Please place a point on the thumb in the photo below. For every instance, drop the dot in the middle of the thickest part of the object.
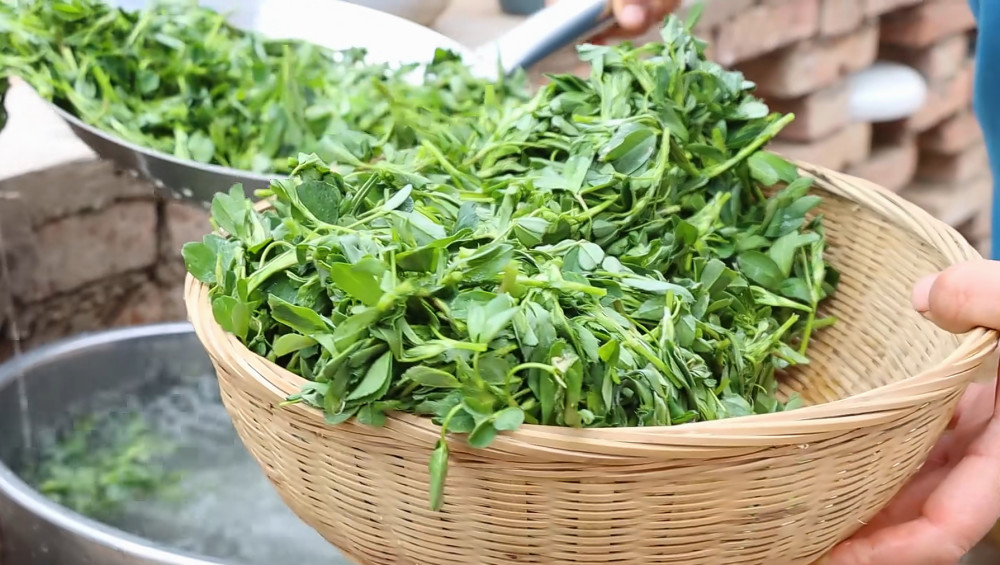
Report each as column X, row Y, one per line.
column 632, row 15
column 962, row 297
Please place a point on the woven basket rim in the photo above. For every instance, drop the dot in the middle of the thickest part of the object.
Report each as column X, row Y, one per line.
column 798, row 426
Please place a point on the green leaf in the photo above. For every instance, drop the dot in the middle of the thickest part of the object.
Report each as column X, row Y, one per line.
column 784, row 170
column 796, row 289
column 428, row 376
column 290, row 343
column 322, row 199
column 783, row 250
column 763, row 169
column 736, row 406
column 750, row 110
column 355, row 282
column 483, row 435
column 376, row 380
column 232, row 314
column 630, row 148
column 759, row 268
column 508, row 419
column 201, row 147
column 487, row 321
column 439, row 472
column 371, row 415
column 591, row 256
column 658, row 287
column 199, row 260
column 298, row 318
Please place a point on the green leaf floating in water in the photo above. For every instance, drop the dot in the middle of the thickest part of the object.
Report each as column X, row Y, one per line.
column 103, row 463
column 606, row 254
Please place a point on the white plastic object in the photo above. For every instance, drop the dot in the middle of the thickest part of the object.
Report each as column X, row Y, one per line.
column 886, row 92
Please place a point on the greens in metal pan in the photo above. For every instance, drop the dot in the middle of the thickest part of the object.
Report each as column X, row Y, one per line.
column 178, row 79
column 617, row 251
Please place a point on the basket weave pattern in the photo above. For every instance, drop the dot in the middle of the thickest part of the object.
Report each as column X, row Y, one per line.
column 779, row 489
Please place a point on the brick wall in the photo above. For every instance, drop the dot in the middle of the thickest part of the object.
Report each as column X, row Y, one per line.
column 801, row 52
column 89, row 248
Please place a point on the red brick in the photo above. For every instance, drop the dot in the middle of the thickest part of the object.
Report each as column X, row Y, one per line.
column 185, row 222
column 817, row 115
column 944, row 100
column 956, row 168
column 937, row 63
column 838, row 151
column 952, row 203
column 889, row 166
column 927, row 23
column 766, row 27
column 955, row 134
column 811, row 65
column 85, row 248
column 879, row 7
column 837, row 17
column 718, row 12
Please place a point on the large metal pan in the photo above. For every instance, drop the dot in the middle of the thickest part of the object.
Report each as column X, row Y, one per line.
column 341, row 25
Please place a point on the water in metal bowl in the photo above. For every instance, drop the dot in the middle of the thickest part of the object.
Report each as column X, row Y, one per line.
column 207, row 501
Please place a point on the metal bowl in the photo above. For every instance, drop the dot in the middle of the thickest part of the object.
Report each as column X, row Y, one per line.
column 37, row 531
column 423, row 12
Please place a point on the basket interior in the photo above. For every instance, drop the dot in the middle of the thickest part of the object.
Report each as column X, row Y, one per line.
column 878, row 338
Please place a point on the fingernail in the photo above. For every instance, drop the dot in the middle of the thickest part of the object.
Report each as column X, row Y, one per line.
column 633, row 16
column 922, row 294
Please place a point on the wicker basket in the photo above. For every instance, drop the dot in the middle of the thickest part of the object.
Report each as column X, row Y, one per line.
column 776, row 489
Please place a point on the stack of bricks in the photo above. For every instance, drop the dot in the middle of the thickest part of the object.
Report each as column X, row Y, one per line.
column 800, row 54
column 952, row 178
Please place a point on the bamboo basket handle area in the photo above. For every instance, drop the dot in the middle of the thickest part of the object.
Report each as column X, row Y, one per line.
column 944, row 379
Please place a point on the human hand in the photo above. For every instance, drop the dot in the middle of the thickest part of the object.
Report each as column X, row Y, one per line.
column 633, row 17
column 954, row 500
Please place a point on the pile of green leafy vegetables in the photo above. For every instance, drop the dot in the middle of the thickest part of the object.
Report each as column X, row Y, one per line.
column 620, row 250
column 177, row 78
column 101, row 463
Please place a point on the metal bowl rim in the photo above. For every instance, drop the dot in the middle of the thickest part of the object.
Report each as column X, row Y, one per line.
column 64, row 518
column 220, row 170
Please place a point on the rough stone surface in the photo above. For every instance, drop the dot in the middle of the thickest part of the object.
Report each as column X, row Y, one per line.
column 879, row 7
column 74, row 188
column 944, row 100
column 185, row 222
column 817, row 115
column 838, row 151
column 937, row 63
column 889, row 166
column 953, row 135
column 955, row 168
column 808, row 66
column 764, row 28
column 83, row 257
column 85, row 248
column 840, row 16
column 150, row 303
column 927, row 23
column 952, row 203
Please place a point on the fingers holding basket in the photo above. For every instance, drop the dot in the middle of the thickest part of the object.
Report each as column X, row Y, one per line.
column 958, row 514
column 962, row 297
